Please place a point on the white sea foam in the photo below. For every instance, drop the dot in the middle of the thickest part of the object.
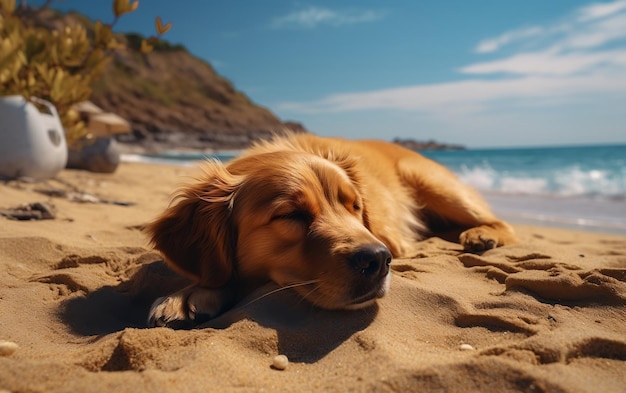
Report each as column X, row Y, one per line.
column 482, row 177
column 572, row 181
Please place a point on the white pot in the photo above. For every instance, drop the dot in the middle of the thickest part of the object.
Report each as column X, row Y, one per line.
column 32, row 143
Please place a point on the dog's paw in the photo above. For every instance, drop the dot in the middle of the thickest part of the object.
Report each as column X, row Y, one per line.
column 186, row 308
column 170, row 311
column 479, row 239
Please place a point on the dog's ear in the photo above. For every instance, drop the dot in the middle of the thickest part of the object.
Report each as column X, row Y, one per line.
column 196, row 234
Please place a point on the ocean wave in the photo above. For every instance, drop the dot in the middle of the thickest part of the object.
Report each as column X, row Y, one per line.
column 571, row 181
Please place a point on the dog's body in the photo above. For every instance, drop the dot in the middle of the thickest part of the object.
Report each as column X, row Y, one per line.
column 324, row 216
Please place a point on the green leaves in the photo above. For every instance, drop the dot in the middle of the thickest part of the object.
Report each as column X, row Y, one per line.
column 60, row 64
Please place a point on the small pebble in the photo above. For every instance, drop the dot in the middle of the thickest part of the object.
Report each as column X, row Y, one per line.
column 466, row 347
column 280, row 362
column 7, row 348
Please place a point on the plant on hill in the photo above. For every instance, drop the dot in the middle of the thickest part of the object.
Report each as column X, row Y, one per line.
column 61, row 64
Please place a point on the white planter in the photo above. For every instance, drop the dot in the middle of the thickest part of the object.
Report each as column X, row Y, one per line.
column 32, row 144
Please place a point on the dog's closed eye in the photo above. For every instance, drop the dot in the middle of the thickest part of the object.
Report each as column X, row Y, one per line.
column 296, row 216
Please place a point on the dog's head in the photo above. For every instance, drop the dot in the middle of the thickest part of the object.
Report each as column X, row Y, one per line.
column 291, row 217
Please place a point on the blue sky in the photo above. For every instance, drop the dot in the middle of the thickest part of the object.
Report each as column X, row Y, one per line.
column 480, row 73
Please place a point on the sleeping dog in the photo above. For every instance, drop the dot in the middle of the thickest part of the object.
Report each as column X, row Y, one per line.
column 322, row 216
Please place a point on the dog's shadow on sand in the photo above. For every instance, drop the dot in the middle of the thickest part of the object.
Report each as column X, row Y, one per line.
column 110, row 309
column 304, row 333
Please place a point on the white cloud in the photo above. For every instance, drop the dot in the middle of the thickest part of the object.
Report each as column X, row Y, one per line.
column 462, row 97
column 595, row 33
column 601, row 10
column 550, row 62
column 314, row 16
column 580, row 56
column 590, row 26
column 493, row 44
column 574, row 45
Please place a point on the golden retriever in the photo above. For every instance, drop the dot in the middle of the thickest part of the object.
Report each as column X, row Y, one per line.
column 322, row 216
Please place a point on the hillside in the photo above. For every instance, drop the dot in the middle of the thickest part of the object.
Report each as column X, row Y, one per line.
column 171, row 98
column 174, row 99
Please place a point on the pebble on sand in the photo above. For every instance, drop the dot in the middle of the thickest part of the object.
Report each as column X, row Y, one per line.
column 466, row 347
column 280, row 362
column 7, row 348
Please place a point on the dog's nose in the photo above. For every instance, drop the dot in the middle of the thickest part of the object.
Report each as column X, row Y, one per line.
column 371, row 260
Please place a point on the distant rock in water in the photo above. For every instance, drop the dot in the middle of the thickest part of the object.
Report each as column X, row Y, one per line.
column 428, row 145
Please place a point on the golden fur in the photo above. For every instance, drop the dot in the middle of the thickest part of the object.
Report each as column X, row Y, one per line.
column 324, row 216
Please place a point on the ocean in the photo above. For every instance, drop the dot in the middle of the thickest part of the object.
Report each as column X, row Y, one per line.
column 581, row 187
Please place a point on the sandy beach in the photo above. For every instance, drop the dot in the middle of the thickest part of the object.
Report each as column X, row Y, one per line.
column 545, row 315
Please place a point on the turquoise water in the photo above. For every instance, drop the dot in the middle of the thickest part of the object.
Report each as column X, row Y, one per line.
column 583, row 171
column 578, row 187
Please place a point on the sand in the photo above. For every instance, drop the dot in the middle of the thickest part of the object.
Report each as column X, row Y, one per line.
column 546, row 315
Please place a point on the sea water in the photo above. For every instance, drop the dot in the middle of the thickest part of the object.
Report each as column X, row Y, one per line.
column 580, row 187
